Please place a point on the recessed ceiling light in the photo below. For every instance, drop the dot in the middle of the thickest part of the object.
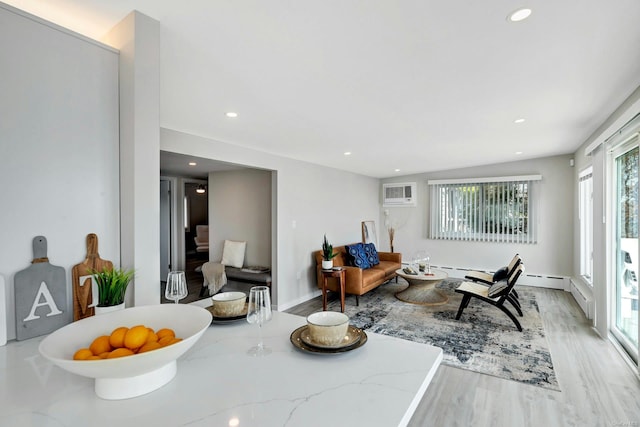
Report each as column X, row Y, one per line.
column 396, row 170
column 347, row 153
column 519, row 15
column 192, row 163
column 519, row 121
column 231, row 114
column 518, row 153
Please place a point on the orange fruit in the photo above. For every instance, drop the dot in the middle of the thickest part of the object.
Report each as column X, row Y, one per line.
column 136, row 337
column 116, row 339
column 100, row 345
column 125, row 341
column 165, row 332
column 82, row 354
column 152, row 336
column 120, row 352
column 164, row 341
column 153, row 345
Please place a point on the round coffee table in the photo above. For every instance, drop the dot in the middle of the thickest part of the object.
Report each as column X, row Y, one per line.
column 421, row 289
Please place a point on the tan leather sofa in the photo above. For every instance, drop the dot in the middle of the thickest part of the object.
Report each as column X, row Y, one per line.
column 359, row 281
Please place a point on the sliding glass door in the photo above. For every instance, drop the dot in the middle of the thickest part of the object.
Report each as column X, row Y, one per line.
column 625, row 291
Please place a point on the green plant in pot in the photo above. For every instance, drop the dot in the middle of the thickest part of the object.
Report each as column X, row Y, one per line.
column 327, row 254
column 112, row 285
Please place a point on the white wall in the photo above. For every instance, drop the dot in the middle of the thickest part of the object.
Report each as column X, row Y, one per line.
column 552, row 255
column 58, row 146
column 138, row 38
column 310, row 200
column 240, row 209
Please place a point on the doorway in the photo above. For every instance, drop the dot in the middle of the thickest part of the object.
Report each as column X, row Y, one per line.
column 241, row 206
column 183, row 211
column 196, row 235
column 625, row 245
column 165, row 228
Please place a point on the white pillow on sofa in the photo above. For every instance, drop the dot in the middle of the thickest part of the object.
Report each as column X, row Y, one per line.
column 233, row 253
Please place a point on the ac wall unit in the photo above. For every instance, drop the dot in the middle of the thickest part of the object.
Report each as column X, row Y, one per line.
column 399, row 194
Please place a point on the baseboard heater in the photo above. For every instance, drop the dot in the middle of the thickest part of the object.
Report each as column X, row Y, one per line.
column 580, row 293
column 583, row 297
column 536, row 280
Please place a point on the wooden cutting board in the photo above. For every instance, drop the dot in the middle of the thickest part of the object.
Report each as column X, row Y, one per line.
column 81, row 279
column 3, row 312
column 40, row 292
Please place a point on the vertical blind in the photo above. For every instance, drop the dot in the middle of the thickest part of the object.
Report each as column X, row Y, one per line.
column 484, row 209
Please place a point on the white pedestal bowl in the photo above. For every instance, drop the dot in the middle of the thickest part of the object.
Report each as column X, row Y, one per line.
column 129, row 376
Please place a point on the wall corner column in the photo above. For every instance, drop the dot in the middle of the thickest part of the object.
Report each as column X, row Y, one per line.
column 137, row 37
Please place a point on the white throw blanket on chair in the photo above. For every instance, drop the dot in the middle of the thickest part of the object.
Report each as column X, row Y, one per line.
column 214, row 276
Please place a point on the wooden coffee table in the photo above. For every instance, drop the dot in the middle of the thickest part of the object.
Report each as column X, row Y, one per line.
column 421, row 289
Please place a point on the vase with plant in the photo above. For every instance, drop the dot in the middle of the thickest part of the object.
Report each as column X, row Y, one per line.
column 112, row 285
column 392, row 233
column 392, row 225
column 327, row 254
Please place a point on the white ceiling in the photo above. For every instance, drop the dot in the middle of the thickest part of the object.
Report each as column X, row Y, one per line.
column 414, row 85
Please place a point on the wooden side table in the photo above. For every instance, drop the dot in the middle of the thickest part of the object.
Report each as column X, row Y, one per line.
column 340, row 275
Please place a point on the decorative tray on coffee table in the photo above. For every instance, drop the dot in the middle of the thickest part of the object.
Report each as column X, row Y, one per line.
column 354, row 339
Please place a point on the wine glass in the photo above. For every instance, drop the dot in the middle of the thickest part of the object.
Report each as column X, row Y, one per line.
column 176, row 286
column 259, row 312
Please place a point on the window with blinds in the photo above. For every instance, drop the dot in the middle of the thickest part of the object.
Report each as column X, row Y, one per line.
column 484, row 209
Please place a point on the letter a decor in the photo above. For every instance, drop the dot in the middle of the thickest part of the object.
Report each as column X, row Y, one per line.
column 40, row 295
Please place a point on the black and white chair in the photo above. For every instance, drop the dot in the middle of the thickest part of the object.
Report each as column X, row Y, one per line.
column 496, row 294
column 500, row 274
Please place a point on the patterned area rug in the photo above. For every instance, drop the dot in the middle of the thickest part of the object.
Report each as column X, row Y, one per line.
column 484, row 340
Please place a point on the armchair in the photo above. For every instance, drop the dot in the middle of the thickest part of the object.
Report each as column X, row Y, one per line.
column 488, row 278
column 502, row 273
column 495, row 295
column 202, row 238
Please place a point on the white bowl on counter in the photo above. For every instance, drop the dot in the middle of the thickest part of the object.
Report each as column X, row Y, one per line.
column 138, row 374
column 328, row 328
column 229, row 304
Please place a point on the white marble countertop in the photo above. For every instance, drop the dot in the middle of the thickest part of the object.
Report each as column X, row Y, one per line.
column 218, row 384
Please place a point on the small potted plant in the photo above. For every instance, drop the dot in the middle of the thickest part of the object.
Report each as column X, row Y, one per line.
column 112, row 285
column 327, row 254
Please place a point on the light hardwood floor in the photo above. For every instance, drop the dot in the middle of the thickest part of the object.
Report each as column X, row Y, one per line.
column 597, row 387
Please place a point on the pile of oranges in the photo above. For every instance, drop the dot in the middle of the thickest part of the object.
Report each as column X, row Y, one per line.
column 125, row 341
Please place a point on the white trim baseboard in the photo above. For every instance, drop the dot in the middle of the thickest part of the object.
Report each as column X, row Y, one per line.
column 305, row 298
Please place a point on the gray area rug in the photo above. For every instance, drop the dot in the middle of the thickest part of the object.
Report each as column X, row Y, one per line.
column 484, row 340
